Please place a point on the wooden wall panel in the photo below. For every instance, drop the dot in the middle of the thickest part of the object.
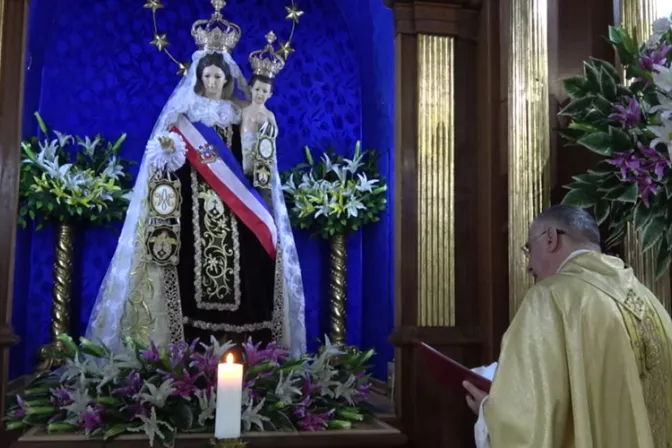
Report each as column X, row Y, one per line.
column 573, row 38
column 431, row 416
column 13, row 19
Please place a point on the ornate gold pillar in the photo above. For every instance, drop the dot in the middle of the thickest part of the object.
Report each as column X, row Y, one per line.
column 638, row 16
column 436, row 153
column 528, row 133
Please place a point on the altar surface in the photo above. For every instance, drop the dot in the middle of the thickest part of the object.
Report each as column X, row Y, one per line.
column 374, row 434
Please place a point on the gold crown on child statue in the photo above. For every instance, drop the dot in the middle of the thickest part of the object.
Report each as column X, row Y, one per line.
column 217, row 33
column 266, row 62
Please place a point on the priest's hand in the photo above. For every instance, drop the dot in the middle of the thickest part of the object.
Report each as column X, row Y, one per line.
column 475, row 396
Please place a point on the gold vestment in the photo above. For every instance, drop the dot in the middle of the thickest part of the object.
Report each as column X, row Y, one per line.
column 586, row 363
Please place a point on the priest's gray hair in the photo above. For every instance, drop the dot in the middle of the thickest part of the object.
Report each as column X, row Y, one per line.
column 577, row 222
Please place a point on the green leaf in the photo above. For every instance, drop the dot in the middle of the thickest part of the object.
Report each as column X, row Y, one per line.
column 576, row 86
column 580, row 198
column 620, row 140
column 630, row 194
column 590, row 188
column 118, row 143
column 603, row 105
column 610, row 183
column 607, row 85
column 602, row 167
column 587, row 178
column 40, row 123
column 602, row 211
column 182, row 416
column 668, row 234
column 607, row 67
column 630, row 43
column 581, row 126
column 653, row 233
column 115, row 431
column 641, row 216
column 577, row 106
column 623, row 91
column 61, row 427
column 663, row 260
column 592, row 76
column 571, row 135
column 11, row 426
column 598, row 142
column 615, row 35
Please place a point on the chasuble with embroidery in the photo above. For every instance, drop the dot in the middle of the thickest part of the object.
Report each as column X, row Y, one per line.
column 586, row 363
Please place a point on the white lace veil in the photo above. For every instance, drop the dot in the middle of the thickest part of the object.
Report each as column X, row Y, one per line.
column 117, row 286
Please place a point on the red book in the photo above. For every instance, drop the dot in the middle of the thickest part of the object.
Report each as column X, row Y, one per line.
column 448, row 372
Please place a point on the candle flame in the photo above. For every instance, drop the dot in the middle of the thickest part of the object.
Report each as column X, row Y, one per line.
column 229, row 358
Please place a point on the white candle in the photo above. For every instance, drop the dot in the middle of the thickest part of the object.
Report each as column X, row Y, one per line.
column 229, row 399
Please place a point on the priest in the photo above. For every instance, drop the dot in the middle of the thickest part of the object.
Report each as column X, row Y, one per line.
column 587, row 360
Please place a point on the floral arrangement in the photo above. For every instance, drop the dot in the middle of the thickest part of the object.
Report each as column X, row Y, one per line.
column 336, row 195
column 163, row 392
column 59, row 183
column 630, row 124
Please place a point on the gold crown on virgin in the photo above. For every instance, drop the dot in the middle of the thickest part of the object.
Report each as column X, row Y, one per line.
column 217, row 33
column 266, row 62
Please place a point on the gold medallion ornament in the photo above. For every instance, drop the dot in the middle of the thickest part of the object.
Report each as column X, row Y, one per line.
column 264, row 153
column 164, row 199
column 162, row 228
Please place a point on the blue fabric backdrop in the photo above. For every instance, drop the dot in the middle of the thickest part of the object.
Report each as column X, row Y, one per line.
column 90, row 69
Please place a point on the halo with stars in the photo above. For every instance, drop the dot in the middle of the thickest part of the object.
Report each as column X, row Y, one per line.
column 160, row 40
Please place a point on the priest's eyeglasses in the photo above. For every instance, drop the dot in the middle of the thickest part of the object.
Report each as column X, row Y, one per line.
column 526, row 247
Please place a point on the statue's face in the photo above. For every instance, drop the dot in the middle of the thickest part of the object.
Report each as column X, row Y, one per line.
column 213, row 79
column 261, row 92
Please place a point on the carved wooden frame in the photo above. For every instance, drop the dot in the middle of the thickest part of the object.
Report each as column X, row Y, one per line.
column 13, row 24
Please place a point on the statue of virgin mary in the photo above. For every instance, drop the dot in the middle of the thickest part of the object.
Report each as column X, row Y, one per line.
column 202, row 251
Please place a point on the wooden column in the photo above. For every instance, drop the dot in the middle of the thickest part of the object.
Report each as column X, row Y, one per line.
column 438, row 163
column 525, row 43
column 492, row 179
column 13, row 19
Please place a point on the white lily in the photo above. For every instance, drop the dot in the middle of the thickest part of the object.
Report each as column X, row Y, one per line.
column 364, row 183
column 64, row 139
column 353, row 206
column 662, row 77
column 663, row 135
column 157, row 396
column 664, row 108
column 151, row 426
column 252, row 417
column 89, row 145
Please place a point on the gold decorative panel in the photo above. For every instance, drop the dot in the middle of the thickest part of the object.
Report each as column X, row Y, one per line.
column 436, row 160
column 638, row 16
column 528, row 133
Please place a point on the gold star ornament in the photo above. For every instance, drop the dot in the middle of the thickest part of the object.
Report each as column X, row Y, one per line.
column 160, row 41
column 153, row 5
column 293, row 13
column 285, row 50
column 183, row 68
